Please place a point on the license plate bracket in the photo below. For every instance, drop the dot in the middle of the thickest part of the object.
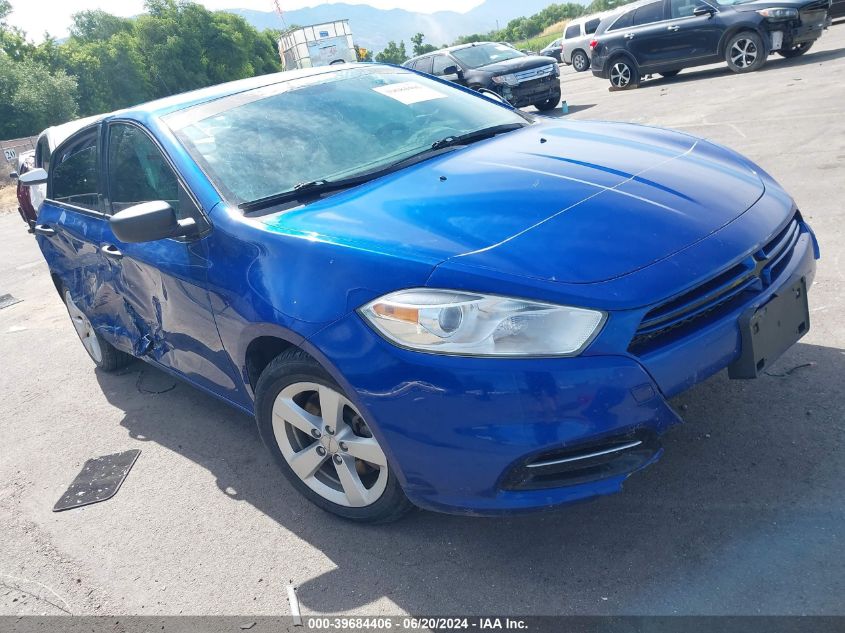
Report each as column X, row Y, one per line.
column 769, row 330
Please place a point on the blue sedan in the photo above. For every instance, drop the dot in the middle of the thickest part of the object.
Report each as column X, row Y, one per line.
column 425, row 297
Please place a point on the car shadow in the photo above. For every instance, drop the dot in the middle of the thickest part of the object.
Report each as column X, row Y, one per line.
column 741, row 515
column 571, row 109
column 774, row 62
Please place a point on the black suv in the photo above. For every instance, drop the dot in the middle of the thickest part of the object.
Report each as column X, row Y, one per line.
column 665, row 36
column 521, row 79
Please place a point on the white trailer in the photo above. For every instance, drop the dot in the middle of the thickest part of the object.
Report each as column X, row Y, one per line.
column 317, row 45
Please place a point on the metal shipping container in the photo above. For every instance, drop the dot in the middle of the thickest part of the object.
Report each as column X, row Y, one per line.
column 317, row 45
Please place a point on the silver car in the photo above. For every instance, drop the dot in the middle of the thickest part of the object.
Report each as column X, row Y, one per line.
column 575, row 50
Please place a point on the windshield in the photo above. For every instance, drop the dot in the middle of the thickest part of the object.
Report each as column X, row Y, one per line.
column 326, row 127
column 484, row 54
column 730, row 3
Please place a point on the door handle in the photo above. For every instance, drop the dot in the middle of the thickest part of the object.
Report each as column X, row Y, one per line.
column 43, row 229
column 674, row 27
column 110, row 250
column 629, row 36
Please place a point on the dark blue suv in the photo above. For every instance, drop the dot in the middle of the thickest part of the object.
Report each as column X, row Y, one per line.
column 424, row 296
column 666, row 36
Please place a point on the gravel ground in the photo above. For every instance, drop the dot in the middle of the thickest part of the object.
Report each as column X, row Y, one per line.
column 743, row 515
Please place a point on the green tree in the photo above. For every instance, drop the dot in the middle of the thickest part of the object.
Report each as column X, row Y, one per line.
column 32, row 98
column 419, row 47
column 393, row 54
column 363, row 54
column 91, row 26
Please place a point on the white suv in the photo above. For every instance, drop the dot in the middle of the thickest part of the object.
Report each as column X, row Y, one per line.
column 575, row 50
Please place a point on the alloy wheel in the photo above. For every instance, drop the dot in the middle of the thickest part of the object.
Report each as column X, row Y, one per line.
column 744, row 53
column 84, row 329
column 620, row 74
column 329, row 446
column 579, row 61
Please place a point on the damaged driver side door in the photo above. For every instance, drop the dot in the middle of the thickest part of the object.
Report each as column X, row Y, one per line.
column 159, row 303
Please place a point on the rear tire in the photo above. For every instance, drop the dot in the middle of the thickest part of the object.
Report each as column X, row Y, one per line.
column 623, row 73
column 295, row 392
column 104, row 354
column 745, row 52
column 796, row 51
column 580, row 61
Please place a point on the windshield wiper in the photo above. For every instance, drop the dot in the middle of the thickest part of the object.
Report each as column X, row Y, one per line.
column 304, row 191
column 477, row 135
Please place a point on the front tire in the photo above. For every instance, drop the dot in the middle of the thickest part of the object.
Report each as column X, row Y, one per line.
column 623, row 73
column 580, row 61
column 745, row 52
column 796, row 51
column 550, row 104
column 104, row 354
column 322, row 444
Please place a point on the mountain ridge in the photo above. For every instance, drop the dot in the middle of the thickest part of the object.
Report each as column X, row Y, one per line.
column 372, row 28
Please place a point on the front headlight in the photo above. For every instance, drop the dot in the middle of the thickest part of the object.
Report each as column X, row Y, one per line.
column 471, row 324
column 509, row 80
column 779, row 13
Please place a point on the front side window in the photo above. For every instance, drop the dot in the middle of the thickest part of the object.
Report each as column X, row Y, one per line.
column 441, row 63
column 138, row 172
column 682, row 8
column 42, row 154
column 485, row 54
column 332, row 126
column 74, row 173
column 648, row 14
column 573, row 30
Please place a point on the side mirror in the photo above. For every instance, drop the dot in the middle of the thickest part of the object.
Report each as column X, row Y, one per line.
column 148, row 222
column 703, row 10
column 492, row 94
column 33, row 177
column 453, row 70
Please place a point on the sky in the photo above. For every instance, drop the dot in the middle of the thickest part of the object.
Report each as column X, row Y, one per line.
column 37, row 16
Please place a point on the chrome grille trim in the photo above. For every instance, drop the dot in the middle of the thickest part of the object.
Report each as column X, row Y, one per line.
column 535, row 73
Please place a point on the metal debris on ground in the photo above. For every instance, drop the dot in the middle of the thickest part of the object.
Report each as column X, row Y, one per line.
column 8, row 300
column 100, row 479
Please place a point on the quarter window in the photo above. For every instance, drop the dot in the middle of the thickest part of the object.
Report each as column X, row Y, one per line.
column 424, row 65
column 138, row 172
column 590, row 26
column 648, row 14
column 574, row 30
column 74, row 177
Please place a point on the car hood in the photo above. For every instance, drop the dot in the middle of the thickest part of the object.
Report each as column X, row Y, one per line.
column 573, row 202
column 517, row 64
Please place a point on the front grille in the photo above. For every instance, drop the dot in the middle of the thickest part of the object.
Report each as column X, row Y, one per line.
column 718, row 295
column 535, row 73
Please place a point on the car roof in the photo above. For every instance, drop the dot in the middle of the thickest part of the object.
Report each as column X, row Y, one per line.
column 450, row 49
column 58, row 133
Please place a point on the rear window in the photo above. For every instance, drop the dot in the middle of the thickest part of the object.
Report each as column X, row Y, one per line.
column 648, row 14
column 590, row 26
column 572, row 31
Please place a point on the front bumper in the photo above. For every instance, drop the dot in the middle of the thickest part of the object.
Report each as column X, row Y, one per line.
column 532, row 92
column 460, row 432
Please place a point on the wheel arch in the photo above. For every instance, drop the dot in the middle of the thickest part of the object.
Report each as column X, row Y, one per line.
column 739, row 28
